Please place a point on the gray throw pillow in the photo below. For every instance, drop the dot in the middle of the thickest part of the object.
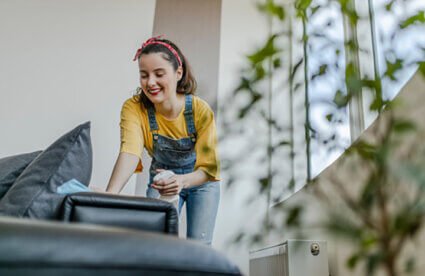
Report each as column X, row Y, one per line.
column 11, row 167
column 34, row 192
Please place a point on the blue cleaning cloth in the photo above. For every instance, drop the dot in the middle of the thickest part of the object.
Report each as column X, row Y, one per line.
column 72, row 186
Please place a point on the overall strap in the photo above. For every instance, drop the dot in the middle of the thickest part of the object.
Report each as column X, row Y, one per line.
column 153, row 125
column 152, row 119
column 188, row 115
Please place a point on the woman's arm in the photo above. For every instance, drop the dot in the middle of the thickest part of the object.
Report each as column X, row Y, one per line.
column 174, row 184
column 124, row 167
column 193, row 179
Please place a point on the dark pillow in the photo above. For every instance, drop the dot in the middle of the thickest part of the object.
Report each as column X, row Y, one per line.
column 11, row 167
column 34, row 192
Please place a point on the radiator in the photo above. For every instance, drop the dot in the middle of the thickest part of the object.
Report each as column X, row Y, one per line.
column 291, row 258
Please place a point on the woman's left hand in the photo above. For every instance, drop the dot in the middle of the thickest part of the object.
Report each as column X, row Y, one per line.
column 170, row 186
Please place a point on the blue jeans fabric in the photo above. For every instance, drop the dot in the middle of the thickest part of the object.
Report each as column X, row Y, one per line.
column 179, row 156
column 201, row 209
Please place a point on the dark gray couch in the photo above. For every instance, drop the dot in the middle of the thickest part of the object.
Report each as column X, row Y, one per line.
column 103, row 234
column 44, row 232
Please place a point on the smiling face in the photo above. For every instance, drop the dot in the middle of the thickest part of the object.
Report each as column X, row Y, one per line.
column 158, row 78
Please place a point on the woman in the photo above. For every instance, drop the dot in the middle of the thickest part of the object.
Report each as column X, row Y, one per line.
column 178, row 131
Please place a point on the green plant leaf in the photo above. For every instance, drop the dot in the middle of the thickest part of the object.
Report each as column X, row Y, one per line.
column 245, row 84
column 291, row 184
column 296, row 67
column 393, row 68
column 315, row 9
column 264, row 184
column 402, row 126
column 370, row 83
column 267, row 51
column 238, row 237
column 348, row 9
column 364, row 149
column 389, row 6
column 260, row 72
column 343, row 226
column 294, row 215
column 329, row 117
column 255, row 97
column 271, row 8
column 373, row 261
column 368, row 193
column 297, row 86
column 421, row 68
column 277, row 63
column 256, row 238
column 352, row 79
column 283, row 143
column 408, row 220
column 301, row 7
column 302, row 4
column 410, row 265
column 340, row 99
column 417, row 18
column 353, row 260
column 322, row 70
column 377, row 104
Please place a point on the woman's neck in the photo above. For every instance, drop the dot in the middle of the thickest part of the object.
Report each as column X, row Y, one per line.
column 171, row 108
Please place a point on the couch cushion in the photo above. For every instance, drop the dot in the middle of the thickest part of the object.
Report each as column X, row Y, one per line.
column 34, row 193
column 11, row 168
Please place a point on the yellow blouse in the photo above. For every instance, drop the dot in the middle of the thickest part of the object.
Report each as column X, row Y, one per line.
column 135, row 133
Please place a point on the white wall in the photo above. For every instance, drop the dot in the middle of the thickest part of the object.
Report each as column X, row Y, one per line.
column 66, row 62
column 243, row 28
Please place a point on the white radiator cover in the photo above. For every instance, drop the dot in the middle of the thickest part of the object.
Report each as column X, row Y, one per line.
column 291, row 258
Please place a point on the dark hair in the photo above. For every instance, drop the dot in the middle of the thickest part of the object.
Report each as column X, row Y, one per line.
column 186, row 85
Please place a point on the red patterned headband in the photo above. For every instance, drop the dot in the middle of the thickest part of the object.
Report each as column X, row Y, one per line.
column 155, row 40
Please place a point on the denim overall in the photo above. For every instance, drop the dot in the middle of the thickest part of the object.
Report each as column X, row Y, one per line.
column 179, row 156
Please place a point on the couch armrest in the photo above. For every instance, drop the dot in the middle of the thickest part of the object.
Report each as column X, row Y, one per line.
column 32, row 247
column 117, row 210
